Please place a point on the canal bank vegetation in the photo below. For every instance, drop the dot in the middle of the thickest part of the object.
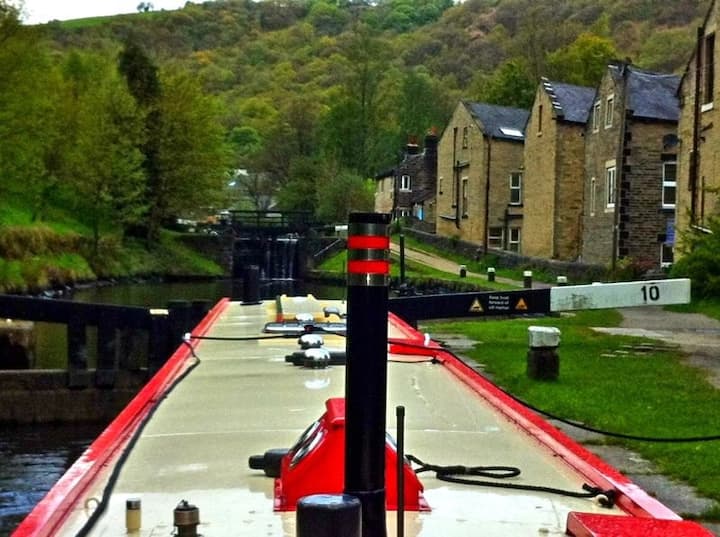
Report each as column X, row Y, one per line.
column 613, row 383
column 60, row 253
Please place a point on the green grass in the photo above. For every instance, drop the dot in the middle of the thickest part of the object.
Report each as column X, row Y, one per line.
column 414, row 270
column 479, row 266
column 706, row 306
column 606, row 385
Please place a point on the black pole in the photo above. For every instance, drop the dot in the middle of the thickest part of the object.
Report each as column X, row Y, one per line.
column 402, row 259
column 366, row 370
column 400, row 414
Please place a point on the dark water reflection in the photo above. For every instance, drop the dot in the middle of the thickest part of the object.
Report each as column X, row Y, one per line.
column 33, row 458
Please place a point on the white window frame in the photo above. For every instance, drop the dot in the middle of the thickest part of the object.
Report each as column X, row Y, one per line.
column 516, row 188
column 405, row 183
column 610, row 185
column 593, row 195
column 465, row 140
column 514, row 236
column 495, row 241
column 405, row 213
column 609, row 111
column 596, row 117
column 669, row 184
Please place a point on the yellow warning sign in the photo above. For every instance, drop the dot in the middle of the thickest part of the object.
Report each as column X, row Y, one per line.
column 476, row 307
column 521, row 305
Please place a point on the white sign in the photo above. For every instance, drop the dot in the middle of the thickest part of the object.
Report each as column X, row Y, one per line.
column 620, row 295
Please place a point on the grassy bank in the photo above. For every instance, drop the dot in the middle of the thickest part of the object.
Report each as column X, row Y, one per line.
column 608, row 383
column 37, row 257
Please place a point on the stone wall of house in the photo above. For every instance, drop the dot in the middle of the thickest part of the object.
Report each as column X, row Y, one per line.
column 471, row 155
column 567, row 239
column 643, row 221
column 384, row 195
column 708, row 176
column 539, row 178
column 602, row 147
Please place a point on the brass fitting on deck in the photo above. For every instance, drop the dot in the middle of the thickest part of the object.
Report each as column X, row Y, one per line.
column 186, row 518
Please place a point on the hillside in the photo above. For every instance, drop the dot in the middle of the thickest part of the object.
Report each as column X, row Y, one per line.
column 112, row 127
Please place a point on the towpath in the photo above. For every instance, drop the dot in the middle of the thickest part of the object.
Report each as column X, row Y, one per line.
column 698, row 336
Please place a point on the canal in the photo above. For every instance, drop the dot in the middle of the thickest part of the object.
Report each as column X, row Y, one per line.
column 32, row 458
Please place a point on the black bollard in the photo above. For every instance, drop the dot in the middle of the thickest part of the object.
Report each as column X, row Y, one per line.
column 251, row 285
column 159, row 341
column 179, row 321
column 198, row 310
column 527, row 279
column 366, row 370
column 328, row 515
column 491, row 274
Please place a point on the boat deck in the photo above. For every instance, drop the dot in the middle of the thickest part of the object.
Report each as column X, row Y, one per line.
column 242, row 399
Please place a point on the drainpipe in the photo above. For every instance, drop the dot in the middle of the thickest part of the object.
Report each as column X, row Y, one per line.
column 486, row 222
column 694, row 155
column 456, row 181
column 619, row 165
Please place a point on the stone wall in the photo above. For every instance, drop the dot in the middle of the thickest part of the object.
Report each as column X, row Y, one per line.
column 42, row 396
column 577, row 273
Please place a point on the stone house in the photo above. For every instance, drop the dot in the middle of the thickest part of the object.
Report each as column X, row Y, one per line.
column 631, row 148
column 479, row 177
column 698, row 179
column 408, row 190
column 554, row 171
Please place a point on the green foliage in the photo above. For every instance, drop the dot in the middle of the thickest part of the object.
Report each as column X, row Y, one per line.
column 583, row 62
column 701, row 261
column 342, row 194
column 665, row 49
column 510, row 85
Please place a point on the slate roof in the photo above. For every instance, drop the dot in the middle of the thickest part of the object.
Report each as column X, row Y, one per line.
column 651, row 95
column 499, row 121
column 571, row 103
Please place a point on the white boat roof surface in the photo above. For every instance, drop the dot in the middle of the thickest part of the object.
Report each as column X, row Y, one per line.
column 243, row 399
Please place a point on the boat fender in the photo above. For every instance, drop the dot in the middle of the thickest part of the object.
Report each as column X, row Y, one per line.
column 269, row 462
column 316, row 358
column 311, row 341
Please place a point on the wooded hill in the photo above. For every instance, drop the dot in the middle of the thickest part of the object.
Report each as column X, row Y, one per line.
column 319, row 95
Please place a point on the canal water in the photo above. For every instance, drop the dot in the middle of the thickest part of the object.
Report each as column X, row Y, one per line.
column 32, row 458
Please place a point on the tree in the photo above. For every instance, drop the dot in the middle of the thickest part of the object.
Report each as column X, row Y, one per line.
column 509, row 85
column 583, row 62
column 193, row 159
column 344, row 193
column 105, row 160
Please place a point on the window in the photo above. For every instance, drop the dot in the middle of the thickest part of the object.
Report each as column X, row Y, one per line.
column 404, row 213
column 609, row 111
column 596, row 117
column 709, row 69
column 405, row 182
column 539, row 119
column 440, row 185
column 514, row 239
column 465, row 196
column 495, row 237
column 593, row 196
column 515, row 188
column 465, row 137
column 610, row 186
column 669, row 184
column 666, row 255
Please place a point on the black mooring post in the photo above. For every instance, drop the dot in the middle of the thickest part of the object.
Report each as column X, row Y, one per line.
column 402, row 259
column 366, row 370
column 251, row 285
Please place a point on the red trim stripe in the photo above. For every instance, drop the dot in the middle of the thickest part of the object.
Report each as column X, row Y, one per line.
column 53, row 510
column 368, row 242
column 631, row 498
column 368, row 267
